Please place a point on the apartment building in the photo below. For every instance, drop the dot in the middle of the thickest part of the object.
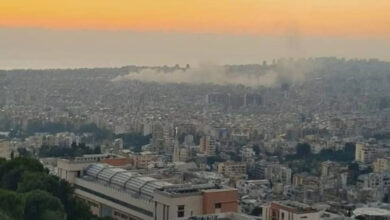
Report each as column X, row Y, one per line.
column 278, row 173
column 232, row 169
column 382, row 165
column 127, row 195
column 207, row 145
column 365, row 153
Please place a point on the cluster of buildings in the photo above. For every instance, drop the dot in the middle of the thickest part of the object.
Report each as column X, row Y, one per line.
column 231, row 155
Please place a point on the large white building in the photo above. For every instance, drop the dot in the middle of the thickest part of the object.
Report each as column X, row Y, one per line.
column 278, row 173
column 365, row 153
column 127, row 195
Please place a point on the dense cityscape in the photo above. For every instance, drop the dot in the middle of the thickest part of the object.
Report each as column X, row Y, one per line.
column 289, row 139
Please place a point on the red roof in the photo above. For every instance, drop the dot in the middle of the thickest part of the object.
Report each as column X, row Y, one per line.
column 117, row 161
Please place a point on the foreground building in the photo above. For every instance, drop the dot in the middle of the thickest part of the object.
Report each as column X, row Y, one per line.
column 369, row 213
column 289, row 210
column 127, row 195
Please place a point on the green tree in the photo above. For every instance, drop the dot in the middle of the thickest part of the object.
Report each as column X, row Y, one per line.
column 4, row 216
column 74, row 208
column 40, row 204
column 11, row 171
column 135, row 140
column 39, row 195
column 256, row 149
column 214, row 159
column 303, row 150
column 12, row 204
column 78, row 210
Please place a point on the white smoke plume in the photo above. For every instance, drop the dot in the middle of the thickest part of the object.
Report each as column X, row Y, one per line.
column 208, row 73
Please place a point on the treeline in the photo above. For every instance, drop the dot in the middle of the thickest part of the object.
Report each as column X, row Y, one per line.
column 306, row 161
column 73, row 151
column 28, row 192
column 382, row 136
column 56, row 127
column 303, row 152
column 134, row 140
column 36, row 126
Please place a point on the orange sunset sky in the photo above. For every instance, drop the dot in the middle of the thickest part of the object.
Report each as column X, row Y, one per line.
column 91, row 33
column 313, row 17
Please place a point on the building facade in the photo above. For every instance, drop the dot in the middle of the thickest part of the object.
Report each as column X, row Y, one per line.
column 127, row 195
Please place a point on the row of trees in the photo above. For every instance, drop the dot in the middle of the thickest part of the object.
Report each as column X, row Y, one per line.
column 27, row 191
column 73, row 151
column 134, row 140
column 37, row 126
column 303, row 152
column 306, row 161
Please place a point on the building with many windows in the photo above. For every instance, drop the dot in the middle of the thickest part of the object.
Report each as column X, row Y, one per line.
column 127, row 195
column 232, row 169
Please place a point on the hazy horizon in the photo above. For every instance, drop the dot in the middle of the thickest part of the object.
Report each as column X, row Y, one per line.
column 40, row 48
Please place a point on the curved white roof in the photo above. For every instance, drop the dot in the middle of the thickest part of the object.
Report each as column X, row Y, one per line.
column 129, row 181
column 371, row 211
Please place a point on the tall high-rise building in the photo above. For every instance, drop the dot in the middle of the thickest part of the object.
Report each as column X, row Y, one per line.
column 207, row 145
column 176, row 151
column 365, row 153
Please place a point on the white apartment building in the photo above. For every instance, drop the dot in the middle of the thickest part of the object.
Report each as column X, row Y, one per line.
column 277, row 173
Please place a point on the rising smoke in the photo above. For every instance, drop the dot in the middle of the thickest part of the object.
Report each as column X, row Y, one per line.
column 208, row 73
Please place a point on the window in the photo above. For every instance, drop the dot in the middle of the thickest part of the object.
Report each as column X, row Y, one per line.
column 218, row 205
column 273, row 215
column 180, row 211
column 282, row 215
column 120, row 215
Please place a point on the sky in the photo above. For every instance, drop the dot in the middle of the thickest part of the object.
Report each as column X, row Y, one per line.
column 87, row 33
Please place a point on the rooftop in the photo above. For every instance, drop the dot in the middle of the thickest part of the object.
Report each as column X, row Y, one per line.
column 296, row 206
column 371, row 212
column 128, row 181
column 116, row 161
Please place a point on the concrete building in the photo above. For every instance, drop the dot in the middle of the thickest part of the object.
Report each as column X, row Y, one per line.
column 329, row 169
column 375, row 180
column 223, row 216
column 176, row 151
column 277, row 173
column 128, row 195
column 117, row 145
column 254, row 188
column 382, row 165
column 207, row 145
column 144, row 159
column 232, row 169
column 365, row 153
column 369, row 213
column 289, row 210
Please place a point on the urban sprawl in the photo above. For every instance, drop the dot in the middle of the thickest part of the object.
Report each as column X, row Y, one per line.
column 308, row 139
